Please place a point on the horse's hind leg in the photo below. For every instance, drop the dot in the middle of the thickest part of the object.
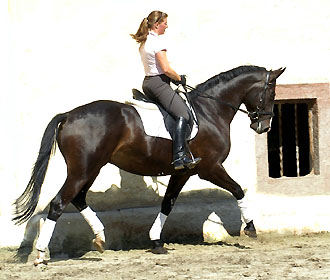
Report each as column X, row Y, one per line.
column 68, row 192
column 91, row 218
column 174, row 187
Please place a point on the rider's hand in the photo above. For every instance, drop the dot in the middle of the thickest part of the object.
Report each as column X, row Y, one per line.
column 182, row 82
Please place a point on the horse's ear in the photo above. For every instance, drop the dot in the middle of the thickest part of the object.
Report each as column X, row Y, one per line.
column 277, row 73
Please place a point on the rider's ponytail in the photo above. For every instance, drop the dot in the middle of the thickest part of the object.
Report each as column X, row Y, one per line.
column 147, row 23
column 141, row 35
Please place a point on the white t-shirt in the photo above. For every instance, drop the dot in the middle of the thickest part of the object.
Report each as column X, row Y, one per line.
column 148, row 50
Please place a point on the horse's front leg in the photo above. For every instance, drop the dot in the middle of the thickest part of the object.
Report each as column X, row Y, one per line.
column 218, row 176
column 174, row 187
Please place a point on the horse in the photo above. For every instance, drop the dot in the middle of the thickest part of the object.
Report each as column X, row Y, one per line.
column 105, row 131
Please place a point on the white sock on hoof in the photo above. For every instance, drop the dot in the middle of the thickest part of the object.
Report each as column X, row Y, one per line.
column 94, row 222
column 45, row 235
column 157, row 227
column 245, row 210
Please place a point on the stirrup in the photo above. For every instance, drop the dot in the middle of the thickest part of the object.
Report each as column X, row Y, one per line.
column 193, row 163
column 185, row 161
column 178, row 164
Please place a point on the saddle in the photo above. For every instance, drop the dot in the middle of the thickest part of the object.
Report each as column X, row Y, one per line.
column 168, row 120
column 138, row 95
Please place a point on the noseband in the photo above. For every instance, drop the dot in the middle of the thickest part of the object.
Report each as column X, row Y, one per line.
column 255, row 115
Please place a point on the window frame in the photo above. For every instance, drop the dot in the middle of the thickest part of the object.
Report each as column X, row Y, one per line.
column 313, row 157
column 316, row 183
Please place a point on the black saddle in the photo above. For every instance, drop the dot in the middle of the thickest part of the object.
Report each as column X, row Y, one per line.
column 140, row 96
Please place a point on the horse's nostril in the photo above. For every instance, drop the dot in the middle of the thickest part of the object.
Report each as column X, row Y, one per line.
column 260, row 129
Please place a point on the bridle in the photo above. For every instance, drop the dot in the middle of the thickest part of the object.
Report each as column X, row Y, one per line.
column 255, row 116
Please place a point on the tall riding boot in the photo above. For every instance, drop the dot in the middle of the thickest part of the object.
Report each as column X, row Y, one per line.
column 180, row 157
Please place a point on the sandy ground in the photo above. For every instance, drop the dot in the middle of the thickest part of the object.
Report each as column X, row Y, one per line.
column 268, row 257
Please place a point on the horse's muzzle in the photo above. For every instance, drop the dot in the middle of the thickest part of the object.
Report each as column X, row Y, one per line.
column 261, row 126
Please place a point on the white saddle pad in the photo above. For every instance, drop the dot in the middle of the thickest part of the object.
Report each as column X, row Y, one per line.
column 153, row 121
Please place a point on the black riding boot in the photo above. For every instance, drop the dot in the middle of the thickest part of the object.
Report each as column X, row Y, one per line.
column 180, row 157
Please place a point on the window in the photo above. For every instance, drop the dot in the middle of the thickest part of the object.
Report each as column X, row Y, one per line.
column 292, row 159
column 292, row 141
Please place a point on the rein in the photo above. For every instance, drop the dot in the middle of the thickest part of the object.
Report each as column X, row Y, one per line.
column 255, row 115
column 212, row 97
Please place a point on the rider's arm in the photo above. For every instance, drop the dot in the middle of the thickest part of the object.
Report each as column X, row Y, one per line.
column 161, row 58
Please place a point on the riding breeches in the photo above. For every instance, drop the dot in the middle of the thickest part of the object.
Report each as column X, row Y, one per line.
column 158, row 89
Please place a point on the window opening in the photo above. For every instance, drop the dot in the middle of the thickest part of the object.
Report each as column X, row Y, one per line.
column 290, row 141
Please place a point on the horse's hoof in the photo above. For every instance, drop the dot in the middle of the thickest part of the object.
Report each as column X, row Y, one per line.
column 40, row 261
column 40, row 258
column 99, row 245
column 251, row 234
column 158, row 247
column 159, row 251
column 250, row 230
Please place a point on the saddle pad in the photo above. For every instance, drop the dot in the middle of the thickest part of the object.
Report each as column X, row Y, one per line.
column 153, row 121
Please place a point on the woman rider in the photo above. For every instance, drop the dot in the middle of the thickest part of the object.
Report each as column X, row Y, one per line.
column 156, row 84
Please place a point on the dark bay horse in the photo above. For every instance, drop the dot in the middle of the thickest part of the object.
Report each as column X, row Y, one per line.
column 104, row 132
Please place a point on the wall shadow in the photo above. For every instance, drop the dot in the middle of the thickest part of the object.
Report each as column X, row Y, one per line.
column 128, row 212
column 132, row 193
column 129, row 228
column 30, row 234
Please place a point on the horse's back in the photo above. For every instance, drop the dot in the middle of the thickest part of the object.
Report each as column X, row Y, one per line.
column 99, row 107
column 95, row 126
column 101, row 111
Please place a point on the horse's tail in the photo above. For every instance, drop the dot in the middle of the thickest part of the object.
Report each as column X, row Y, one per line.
column 27, row 202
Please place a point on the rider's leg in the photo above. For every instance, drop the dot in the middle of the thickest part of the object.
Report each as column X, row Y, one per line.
column 158, row 88
column 181, row 159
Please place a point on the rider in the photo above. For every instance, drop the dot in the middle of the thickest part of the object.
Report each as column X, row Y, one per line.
column 156, row 84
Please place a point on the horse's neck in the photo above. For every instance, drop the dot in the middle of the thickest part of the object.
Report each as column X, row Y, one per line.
column 229, row 96
column 233, row 91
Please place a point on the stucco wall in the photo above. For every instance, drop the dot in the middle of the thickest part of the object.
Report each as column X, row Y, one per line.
column 62, row 54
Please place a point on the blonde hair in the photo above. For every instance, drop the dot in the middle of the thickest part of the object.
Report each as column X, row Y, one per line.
column 147, row 23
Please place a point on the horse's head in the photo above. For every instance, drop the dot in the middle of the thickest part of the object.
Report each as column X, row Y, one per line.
column 259, row 101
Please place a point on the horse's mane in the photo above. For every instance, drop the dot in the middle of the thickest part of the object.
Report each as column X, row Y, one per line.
column 227, row 76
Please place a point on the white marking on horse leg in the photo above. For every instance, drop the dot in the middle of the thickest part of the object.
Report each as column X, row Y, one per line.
column 45, row 235
column 97, row 227
column 94, row 222
column 157, row 227
column 245, row 210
